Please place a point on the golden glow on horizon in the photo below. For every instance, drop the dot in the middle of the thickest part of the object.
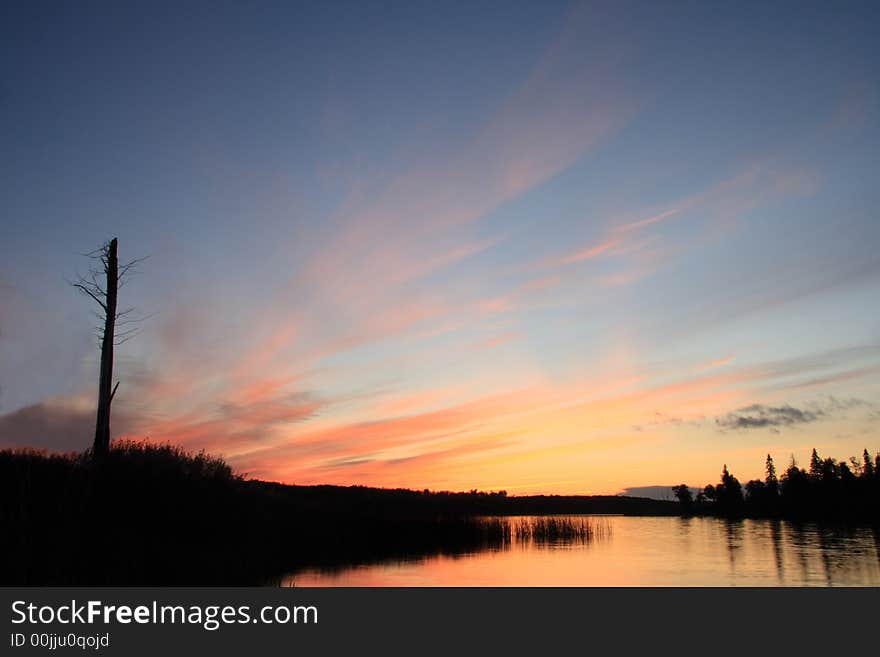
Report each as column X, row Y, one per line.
column 592, row 436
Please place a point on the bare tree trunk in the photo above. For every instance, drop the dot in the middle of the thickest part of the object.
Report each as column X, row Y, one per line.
column 105, row 394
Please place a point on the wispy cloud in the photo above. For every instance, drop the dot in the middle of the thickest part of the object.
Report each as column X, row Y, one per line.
column 497, row 340
column 426, row 217
column 590, row 252
column 712, row 364
column 648, row 221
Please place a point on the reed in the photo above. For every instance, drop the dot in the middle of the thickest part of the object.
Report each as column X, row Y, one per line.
column 506, row 531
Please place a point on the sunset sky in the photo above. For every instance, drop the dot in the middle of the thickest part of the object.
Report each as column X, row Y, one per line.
column 537, row 246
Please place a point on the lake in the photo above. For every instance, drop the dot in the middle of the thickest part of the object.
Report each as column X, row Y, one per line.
column 642, row 551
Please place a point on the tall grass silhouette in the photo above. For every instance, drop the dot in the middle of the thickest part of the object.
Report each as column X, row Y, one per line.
column 561, row 529
column 544, row 530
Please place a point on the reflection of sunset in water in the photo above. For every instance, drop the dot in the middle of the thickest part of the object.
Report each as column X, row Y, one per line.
column 647, row 552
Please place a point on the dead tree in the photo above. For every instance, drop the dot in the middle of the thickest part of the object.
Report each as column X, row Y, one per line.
column 102, row 284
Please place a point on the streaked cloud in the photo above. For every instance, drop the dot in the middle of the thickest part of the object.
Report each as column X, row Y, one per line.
column 718, row 362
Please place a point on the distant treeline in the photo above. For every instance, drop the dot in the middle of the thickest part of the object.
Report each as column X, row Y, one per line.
column 829, row 489
column 156, row 515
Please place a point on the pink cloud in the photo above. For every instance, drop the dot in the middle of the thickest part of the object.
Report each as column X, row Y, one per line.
column 590, row 252
column 497, row 340
column 712, row 364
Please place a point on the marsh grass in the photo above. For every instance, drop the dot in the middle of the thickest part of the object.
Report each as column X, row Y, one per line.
column 560, row 529
column 544, row 530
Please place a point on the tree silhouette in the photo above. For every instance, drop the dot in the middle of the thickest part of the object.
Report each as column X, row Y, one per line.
column 684, row 496
column 729, row 493
column 756, row 491
column 102, row 285
column 815, row 465
column 771, row 482
column 831, row 489
column 709, row 492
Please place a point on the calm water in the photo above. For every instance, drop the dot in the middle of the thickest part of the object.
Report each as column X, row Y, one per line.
column 626, row 551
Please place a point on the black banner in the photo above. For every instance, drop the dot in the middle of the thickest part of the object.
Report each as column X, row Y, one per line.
column 266, row 621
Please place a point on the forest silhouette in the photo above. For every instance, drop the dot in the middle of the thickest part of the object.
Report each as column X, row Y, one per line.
column 829, row 489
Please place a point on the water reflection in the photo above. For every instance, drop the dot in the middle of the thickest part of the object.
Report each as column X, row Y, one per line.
column 627, row 551
column 733, row 533
column 801, row 543
column 776, row 538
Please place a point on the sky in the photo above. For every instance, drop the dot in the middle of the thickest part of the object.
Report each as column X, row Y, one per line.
column 540, row 247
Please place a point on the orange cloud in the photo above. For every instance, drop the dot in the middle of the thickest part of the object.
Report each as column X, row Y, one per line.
column 497, row 340
column 719, row 362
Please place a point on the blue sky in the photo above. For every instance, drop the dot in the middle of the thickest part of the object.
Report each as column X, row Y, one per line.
column 534, row 246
